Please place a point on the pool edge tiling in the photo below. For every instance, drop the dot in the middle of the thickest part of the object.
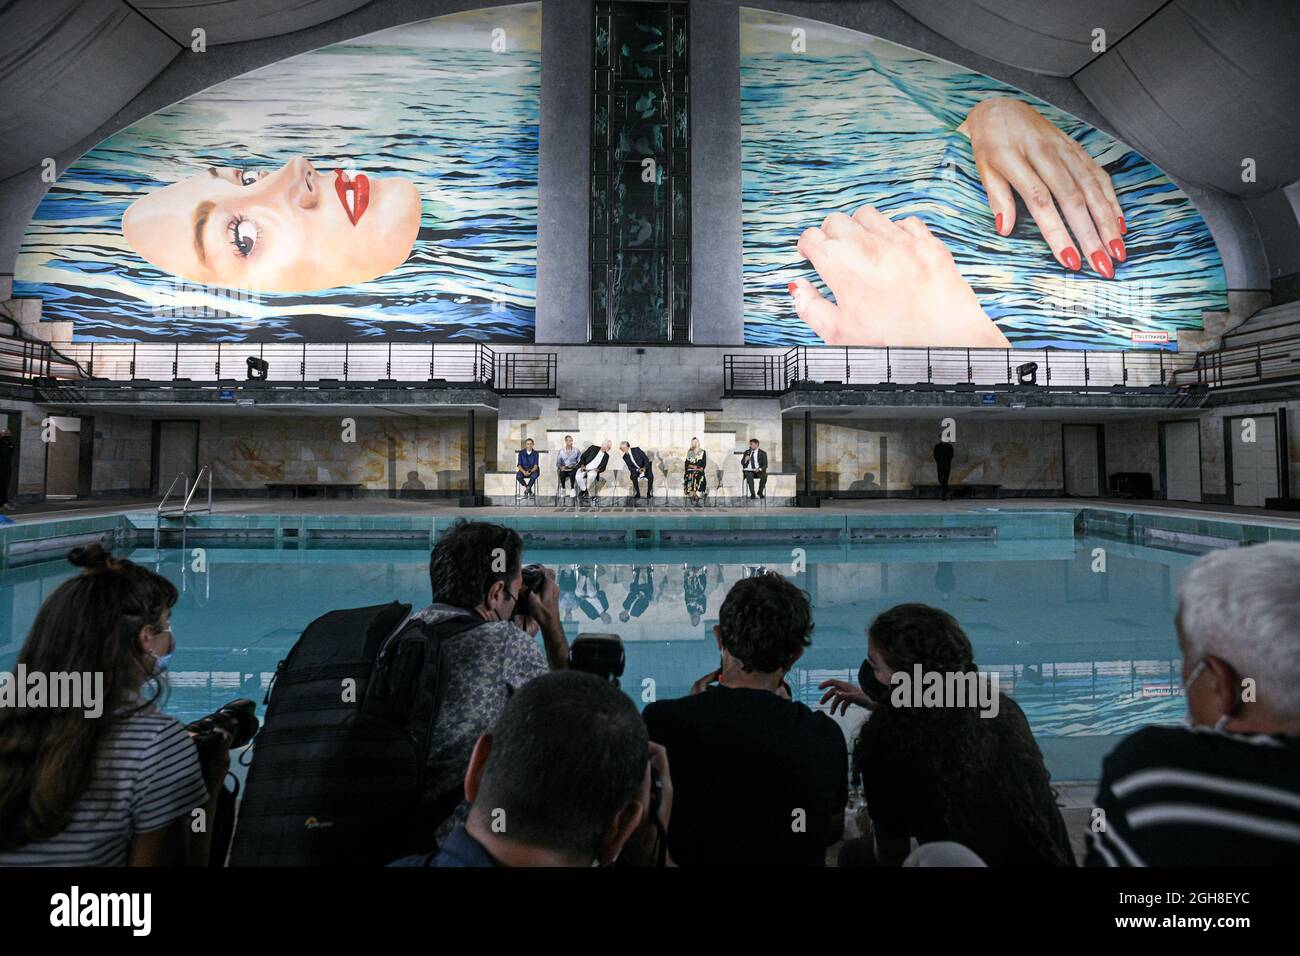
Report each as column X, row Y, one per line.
column 38, row 539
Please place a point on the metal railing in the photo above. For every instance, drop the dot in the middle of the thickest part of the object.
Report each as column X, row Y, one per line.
column 1278, row 360
column 188, row 491
column 26, row 360
column 773, row 374
column 146, row 364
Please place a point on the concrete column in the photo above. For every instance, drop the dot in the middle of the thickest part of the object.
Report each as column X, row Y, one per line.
column 564, row 174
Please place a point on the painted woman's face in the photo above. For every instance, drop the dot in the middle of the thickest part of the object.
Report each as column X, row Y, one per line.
column 294, row 229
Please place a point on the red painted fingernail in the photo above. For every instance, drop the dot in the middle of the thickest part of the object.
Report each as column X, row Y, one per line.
column 792, row 286
column 1123, row 226
column 997, row 223
column 1070, row 258
column 1117, row 250
column 1101, row 262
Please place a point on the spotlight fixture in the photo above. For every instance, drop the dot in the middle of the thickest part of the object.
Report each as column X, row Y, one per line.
column 1027, row 374
column 257, row 369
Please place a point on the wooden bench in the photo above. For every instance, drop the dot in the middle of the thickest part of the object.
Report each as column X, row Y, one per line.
column 972, row 489
column 314, row 489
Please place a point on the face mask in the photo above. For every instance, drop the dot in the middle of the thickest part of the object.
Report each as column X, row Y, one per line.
column 1187, row 688
column 876, row 691
column 163, row 661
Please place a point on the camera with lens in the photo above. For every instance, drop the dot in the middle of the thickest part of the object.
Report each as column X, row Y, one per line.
column 534, row 582
column 237, row 719
column 598, row 654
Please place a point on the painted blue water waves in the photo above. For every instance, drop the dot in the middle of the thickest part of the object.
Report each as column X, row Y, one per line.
column 460, row 121
column 829, row 132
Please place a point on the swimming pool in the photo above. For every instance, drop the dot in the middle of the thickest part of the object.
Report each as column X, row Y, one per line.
column 1089, row 654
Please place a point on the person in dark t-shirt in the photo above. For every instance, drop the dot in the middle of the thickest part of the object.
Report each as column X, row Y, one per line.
column 758, row 780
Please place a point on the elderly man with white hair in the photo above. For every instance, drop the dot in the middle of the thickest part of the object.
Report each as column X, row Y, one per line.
column 1224, row 789
column 590, row 466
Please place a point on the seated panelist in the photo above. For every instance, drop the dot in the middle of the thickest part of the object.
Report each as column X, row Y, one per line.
column 593, row 462
column 527, row 468
column 638, row 466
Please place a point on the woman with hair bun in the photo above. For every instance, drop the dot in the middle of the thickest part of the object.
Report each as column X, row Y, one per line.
column 114, row 784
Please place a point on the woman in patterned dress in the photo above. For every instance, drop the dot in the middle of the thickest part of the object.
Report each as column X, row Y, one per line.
column 694, row 483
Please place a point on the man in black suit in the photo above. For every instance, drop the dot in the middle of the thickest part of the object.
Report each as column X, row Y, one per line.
column 753, row 464
column 638, row 466
column 7, row 449
column 943, row 464
column 593, row 462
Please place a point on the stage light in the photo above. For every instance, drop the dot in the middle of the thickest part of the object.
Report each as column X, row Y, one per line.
column 257, row 369
column 1027, row 374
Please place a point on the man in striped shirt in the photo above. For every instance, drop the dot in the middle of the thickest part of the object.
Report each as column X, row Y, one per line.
column 1224, row 790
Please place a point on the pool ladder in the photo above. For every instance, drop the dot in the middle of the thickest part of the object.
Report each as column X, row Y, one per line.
column 186, row 508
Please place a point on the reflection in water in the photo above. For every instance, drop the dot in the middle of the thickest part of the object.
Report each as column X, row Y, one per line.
column 1086, row 655
column 640, row 593
column 695, row 589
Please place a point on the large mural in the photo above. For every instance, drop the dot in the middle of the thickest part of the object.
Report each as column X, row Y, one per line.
column 384, row 187
column 894, row 199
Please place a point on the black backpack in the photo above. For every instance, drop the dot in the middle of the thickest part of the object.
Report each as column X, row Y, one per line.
column 338, row 770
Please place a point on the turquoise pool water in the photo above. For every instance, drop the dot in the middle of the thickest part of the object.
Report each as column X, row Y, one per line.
column 1089, row 655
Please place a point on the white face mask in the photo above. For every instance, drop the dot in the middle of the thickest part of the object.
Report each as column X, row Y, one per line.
column 1187, row 689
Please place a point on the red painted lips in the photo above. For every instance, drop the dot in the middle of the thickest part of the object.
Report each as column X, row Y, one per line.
column 358, row 189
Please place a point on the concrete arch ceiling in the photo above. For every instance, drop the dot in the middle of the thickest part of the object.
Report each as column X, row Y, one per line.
column 1199, row 124
column 66, row 66
column 1195, row 85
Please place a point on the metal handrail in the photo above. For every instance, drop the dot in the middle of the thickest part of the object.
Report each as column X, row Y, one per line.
column 224, row 364
column 1246, row 364
column 189, row 495
column 188, row 498
column 1075, row 369
column 180, row 476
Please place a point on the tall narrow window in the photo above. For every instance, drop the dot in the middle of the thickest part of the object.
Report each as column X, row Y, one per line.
column 640, row 173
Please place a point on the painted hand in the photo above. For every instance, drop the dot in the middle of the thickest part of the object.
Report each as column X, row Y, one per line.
column 894, row 284
column 1015, row 147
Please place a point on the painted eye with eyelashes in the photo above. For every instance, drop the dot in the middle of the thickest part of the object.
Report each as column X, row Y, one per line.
column 243, row 235
column 237, row 175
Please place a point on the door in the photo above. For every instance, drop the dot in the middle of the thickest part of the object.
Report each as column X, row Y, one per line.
column 62, row 457
column 1182, row 443
column 178, row 452
column 1253, row 447
column 1082, row 460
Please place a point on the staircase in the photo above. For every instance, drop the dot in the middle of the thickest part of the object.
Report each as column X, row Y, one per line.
column 1273, row 324
column 1265, row 347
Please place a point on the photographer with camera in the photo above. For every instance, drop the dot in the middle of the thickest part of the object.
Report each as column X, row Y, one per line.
column 116, row 783
column 567, row 776
column 477, row 568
